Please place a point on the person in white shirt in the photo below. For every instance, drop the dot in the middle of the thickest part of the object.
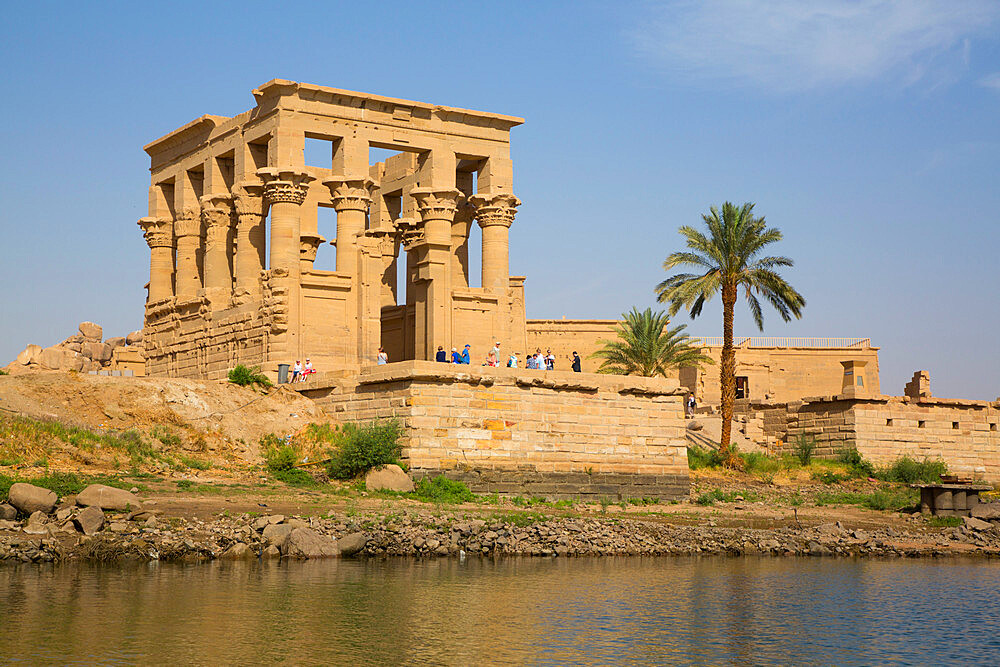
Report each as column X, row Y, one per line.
column 496, row 350
column 307, row 370
column 512, row 362
column 550, row 360
column 296, row 371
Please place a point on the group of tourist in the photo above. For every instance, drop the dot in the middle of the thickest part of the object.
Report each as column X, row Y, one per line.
column 301, row 373
column 536, row 361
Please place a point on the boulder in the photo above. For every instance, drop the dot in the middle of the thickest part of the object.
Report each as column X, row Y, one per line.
column 271, row 552
column 60, row 359
column 97, row 351
column 107, row 498
column 277, row 533
column 37, row 524
column 307, row 543
column 91, row 331
column 389, row 477
column 29, row 355
column 238, row 551
column 134, row 337
column 986, row 511
column 352, row 544
column 7, row 512
column 117, row 341
column 29, row 498
column 90, row 520
column 695, row 425
column 976, row 524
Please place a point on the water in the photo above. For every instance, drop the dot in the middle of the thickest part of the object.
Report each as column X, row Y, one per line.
column 514, row 611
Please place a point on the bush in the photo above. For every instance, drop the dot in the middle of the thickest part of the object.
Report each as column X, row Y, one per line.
column 278, row 454
column 908, row 471
column 443, row 490
column 857, row 465
column 361, row 448
column 245, row 376
column 804, row 446
column 703, row 458
column 295, row 477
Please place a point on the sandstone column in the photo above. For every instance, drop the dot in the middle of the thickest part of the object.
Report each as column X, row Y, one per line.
column 460, row 244
column 433, row 273
column 250, row 238
column 188, row 230
column 495, row 213
column 159, row 234
column 216, row 216
column 351, row 198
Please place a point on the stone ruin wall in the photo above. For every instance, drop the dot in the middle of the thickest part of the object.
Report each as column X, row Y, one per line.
column 554, row 434
column 962, row 433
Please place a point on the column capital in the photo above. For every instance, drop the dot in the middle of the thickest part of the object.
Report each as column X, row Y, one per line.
column 410, row 232
column 158, row 232
column 248, row 198
column 188, row 223
column 436, row 203
column 351, row 193
column 309, row 244
column 218, row 200
column 285, row 184
column 495, row 209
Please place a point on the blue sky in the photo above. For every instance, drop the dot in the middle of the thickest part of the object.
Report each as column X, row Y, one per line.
column 867, row 131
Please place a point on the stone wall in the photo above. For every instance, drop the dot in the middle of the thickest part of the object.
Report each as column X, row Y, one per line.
column 565, row 336
column 555, row 434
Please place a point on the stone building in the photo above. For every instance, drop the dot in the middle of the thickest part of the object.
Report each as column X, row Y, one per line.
column 233, row 235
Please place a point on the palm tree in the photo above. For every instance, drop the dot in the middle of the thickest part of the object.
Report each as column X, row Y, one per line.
column 729, row 258
column 646, row 346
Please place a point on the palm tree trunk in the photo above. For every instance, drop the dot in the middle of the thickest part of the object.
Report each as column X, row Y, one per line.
column 727, row 374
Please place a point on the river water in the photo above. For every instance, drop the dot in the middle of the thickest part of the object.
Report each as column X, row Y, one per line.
column 581, row 611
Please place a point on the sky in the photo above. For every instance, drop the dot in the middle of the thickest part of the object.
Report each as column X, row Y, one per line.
column 868, row 132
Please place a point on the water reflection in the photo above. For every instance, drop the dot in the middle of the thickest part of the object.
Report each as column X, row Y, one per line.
column 534, row 611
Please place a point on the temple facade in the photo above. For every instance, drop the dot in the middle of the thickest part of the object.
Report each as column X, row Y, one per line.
column 233, row 235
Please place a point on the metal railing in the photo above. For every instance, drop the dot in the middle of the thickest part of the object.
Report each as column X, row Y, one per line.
column 751, row 341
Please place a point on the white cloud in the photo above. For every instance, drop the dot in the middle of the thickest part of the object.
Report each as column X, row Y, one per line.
column 991, row 81
column 798, row 44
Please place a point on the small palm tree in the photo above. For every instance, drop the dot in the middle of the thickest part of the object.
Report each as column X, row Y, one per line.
column 646, row 346
column 729, row 258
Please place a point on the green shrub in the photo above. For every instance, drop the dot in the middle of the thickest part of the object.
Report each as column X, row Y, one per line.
column 361, row 448
column 699, row 457
column 857, row 465
column 166, row 436
column 909, row 471
column 194, row 463
column 944, row 521
column 278, row 454
column 716, row 495
column 246, row 375
column 443, row 490
column 295, row 477
column 804, row 446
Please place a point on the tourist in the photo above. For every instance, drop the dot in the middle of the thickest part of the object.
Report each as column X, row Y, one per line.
column 530, row 362
column 576, row 362
column 512, row 361
column 550, row 360
column 491, row 360
column 296, row 371
column 382, row 358
column 465, row 354
column 307, row 370
column 691, row 405
column 496, row 350
column 456, row 358
column 441, row 355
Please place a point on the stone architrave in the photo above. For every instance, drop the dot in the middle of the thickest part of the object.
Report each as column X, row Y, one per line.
column 351, row 198
column 159, row 235
column 250, row 237
column 188, row 230
column 432, row 277
column 495, row 214
column 215, row 214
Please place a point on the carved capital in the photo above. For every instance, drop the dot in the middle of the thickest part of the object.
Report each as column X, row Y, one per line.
column 220, row 200
column 496, row 209
column 158, row 232
column 309, row 244
column 285, row 184
column 410, row 232
column 248, row 199
column 351, row 194
column 436, row 204
column 188, row 223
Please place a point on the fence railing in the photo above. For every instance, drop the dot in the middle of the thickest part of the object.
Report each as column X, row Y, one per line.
column 754, row 341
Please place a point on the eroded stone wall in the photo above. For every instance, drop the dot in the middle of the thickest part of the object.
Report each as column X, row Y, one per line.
column 557, row 434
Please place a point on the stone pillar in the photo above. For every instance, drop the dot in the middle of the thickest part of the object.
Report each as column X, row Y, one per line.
column 159, row 234
column 309, row 245
column 188, row 230
column 460, row 244
column 351, row 198
column 285, row 189
column 433, row 271
column 495, row 214
column 215, row 214
column 250, row 239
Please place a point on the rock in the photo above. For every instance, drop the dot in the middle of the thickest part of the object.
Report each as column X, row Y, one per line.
column 277, row 533
column 29, row 498
column 134, row 337
column 7, row 512
column 96, row 351
column 389, row 477
column 8, row 525
column 770, row 545
column 91, row 331
column 29, row 355
column 36, row 524
column 274, row 518
column 296, row 523
column 118, row 527
column 108, row 498
column 986, row 511
column 976, row 524
column 352, row 544
column 238, row 551
column 117, row 341
column 271, row 552
column 90, row 520
column 307, row 543
column 60, row 359
column 695, row 425
column 63, row 513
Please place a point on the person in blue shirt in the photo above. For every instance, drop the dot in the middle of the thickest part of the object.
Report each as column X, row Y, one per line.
column 441, row 355
column 465, row 354
column 456, row 358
